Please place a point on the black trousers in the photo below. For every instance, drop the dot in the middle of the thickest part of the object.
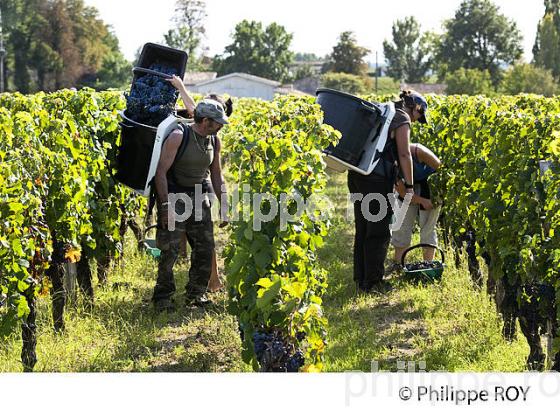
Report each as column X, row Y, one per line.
column 372, row 237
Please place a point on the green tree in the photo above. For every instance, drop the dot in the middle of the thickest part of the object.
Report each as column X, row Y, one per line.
column 347, row 56
column 546, row 51
column 22, row 35
column 553, row 7
column 303, row 71
column 480, row 37
column 349, row 83
column 256, row 50
column 469, row 81
column 63, row 40
column 408, row 56
column 307, row 57
column 188, row 31
column 62, row 43
column 526, row 78
column 114, row 73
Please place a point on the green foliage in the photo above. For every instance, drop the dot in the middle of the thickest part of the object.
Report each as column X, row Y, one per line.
column 114, row 73
column 56, row 187
column 526, row 78
column 273, row 277
column 256, row 50
column 491, row 180
column 469, row 81
column 385, row 85
column 62, row 43
column 304, row 71
column 479, row 37
column 546, row 51
column 408, row 56
column 352, row 84
column 307, row 57
column 347, row 56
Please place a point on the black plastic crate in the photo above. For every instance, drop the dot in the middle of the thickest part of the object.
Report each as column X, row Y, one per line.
column 158, row 54
column 358, row 121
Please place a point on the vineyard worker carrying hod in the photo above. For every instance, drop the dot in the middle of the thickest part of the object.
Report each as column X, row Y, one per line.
column 371, row 240
column 215, row 283
column 199, row 161
column 421, row 207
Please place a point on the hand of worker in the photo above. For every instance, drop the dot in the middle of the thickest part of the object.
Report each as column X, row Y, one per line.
column 427, row 204
column 177, row 82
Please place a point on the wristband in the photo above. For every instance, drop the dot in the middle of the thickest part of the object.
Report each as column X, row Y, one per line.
column 408, row 186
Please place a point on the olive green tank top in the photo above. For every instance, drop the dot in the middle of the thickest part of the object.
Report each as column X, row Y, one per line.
column 192, row 167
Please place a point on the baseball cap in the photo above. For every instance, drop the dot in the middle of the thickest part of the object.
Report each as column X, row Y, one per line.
column 211, row 109
column 421, row 101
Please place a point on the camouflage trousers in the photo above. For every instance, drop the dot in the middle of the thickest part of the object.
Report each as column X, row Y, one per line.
column 200, row 234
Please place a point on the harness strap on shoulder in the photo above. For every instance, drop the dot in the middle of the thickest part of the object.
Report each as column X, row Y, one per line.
column 180, row 152
column 170, row 173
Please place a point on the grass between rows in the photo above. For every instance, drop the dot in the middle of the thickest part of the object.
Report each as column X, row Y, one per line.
column 442, row 326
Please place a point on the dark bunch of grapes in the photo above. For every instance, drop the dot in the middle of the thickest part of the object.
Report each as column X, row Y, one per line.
column 275, row 354
column 423, row 265
column 152, row 98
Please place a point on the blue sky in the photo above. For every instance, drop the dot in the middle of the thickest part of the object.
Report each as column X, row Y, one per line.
column 314, row 24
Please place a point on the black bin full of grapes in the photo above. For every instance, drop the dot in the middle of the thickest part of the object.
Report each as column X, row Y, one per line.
column 151, row 100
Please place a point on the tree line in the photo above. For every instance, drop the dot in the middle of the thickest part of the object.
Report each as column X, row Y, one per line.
column 479, row 52
column 54, row 44
column 65, row 44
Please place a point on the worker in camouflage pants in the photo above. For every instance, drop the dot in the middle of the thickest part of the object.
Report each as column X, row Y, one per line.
column 189, row 162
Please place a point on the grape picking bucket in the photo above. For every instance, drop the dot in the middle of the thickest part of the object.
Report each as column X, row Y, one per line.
column 158, row 54
column 364, row 127
column 139, row 151
column 149, row 244
column 135, row 152
column 423, row 271
column 140, row 143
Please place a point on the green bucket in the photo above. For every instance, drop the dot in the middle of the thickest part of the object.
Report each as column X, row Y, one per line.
column 149, row 244
column 428, row 271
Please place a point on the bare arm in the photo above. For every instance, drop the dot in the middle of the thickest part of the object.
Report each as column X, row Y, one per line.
column 168, row 153
column 177, row 82
column 426, row 156
column 402, row 138
column 416, row 199
column 217, row 178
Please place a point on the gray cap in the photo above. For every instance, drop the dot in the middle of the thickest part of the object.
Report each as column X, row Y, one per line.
column 211, row 109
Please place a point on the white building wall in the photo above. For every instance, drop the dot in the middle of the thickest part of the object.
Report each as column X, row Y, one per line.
column 237, row 87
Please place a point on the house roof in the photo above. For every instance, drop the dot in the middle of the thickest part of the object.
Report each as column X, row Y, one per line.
column 245, row 76
column 289, row 90
column 197, row 77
